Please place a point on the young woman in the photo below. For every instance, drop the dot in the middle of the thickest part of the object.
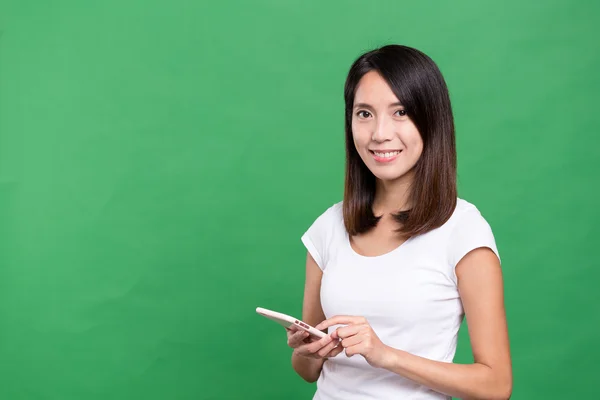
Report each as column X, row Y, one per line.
column 393, row 268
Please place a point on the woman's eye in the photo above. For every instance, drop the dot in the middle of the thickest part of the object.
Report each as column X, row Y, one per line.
column 363, row 114
column 401, row 113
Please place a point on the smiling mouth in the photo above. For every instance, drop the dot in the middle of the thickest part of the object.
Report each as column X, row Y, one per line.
column 385, row 155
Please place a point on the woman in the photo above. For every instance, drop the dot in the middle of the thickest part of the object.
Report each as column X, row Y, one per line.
column 393, row 268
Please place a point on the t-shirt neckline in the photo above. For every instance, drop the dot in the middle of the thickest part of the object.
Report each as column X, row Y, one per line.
column 377, row 257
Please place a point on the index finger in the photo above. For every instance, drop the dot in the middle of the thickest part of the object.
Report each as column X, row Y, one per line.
column 340, row 320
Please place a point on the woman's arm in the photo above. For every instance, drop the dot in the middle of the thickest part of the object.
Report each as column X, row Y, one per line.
column 312, row 313
column 489, row 377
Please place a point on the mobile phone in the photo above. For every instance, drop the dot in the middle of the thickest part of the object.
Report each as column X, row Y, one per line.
column 287, row 321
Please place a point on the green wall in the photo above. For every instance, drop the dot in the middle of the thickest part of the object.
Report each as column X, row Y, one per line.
column 160, row 160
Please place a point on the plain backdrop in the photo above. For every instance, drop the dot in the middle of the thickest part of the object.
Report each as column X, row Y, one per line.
column 159, row 161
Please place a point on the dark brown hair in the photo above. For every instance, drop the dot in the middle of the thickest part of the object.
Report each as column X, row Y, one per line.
column 419, row 85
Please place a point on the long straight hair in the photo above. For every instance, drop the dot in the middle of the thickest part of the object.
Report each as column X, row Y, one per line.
column 419, row 85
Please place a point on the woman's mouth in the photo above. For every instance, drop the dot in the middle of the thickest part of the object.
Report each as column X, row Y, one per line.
column 385, row 156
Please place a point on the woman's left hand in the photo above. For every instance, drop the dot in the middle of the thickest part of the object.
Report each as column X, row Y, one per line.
column 359, row 338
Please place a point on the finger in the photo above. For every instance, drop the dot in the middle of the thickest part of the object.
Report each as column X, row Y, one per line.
column 301, row 335
column 327, row 349
column 291, row 333
column 314, row 347
column 352, row 341
column 340, row 320
column 337, row 350
column 292, row 328
column 310, row 349
column 355, row 349
column 296, row 339
column 347, row 331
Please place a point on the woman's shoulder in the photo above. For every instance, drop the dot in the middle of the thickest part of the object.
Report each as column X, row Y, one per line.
column 337, row 209
column 463, row 205
column 333, row 212
column 467, row 216
column 464, row 208
column 468, row 230
column 323, row 235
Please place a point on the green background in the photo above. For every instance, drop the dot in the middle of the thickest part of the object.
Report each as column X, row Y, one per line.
column 160, row 160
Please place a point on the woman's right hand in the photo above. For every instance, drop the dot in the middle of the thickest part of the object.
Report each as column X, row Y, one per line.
column 306, row 346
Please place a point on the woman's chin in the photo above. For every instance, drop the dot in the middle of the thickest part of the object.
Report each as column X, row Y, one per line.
column 390, row 176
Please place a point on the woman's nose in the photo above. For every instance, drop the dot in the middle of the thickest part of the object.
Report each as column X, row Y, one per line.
column 383, row 130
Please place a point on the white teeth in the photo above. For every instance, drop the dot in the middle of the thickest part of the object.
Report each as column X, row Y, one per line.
column 386, row 155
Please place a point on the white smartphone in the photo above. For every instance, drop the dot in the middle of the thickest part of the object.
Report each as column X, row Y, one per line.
column 287, row 321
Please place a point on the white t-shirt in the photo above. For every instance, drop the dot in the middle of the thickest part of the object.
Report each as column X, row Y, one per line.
column 409, row 296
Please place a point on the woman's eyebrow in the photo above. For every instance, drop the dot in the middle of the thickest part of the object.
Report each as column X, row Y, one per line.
column 365, row 105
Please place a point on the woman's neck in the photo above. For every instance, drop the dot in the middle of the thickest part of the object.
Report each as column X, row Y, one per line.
column 392, row 196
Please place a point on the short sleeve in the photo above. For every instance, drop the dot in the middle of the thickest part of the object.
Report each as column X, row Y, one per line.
column 318, row 235
column 471, row 231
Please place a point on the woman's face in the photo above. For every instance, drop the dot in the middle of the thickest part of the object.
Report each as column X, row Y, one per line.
column 385, row 137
